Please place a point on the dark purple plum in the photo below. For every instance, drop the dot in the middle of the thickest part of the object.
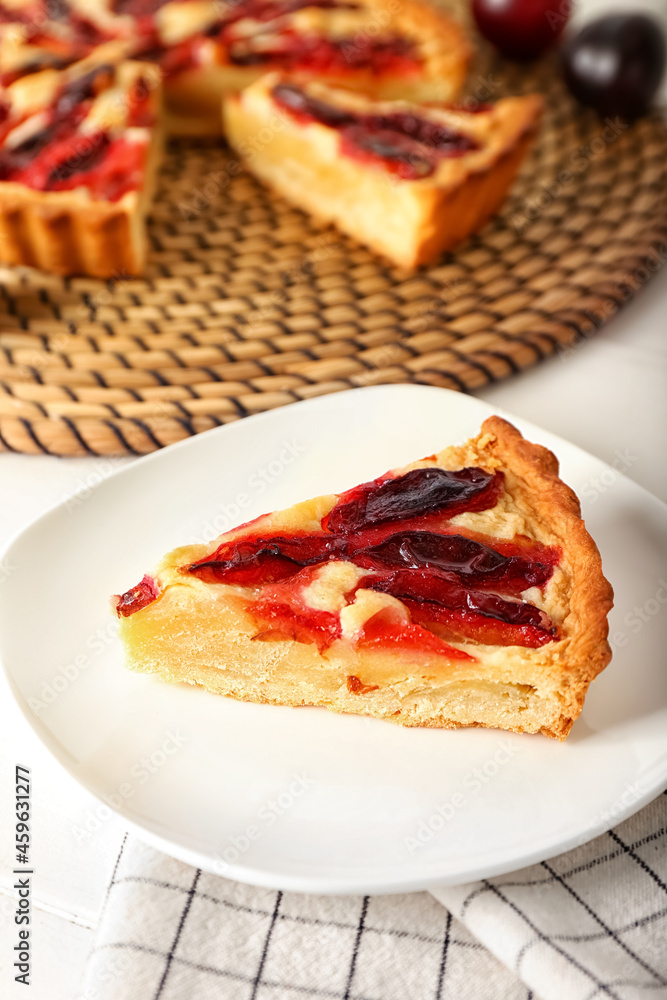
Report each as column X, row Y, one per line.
column 615, row 64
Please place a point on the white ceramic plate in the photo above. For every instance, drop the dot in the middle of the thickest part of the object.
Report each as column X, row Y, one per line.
column 303, row 799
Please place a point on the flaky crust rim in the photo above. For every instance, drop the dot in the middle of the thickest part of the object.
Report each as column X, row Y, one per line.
column 68, row 235
column 591, row 594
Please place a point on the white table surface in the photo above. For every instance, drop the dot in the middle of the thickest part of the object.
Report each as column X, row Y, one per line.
column 608, row 395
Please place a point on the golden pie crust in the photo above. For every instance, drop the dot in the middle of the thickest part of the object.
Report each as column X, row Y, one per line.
column 202, row 634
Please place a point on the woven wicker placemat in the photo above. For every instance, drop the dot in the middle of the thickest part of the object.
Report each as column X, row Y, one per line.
column 248, row 305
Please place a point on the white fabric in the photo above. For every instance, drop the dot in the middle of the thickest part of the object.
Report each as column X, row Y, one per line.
column 589, row 923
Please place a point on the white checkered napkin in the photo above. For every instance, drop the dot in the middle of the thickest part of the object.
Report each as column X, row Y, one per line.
column 170, row 932
column 592, row 922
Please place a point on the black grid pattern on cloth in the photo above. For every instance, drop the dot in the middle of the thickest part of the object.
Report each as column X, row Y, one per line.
column 341, row 948
column 633, row 935
column 597, row 914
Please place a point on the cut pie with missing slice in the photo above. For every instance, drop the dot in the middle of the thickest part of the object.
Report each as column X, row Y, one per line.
column 208, row 49
column 462, row 590
column 408, row 180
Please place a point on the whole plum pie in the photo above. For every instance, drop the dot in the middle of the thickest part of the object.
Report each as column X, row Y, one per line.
column 405, row 159
column 462, row 590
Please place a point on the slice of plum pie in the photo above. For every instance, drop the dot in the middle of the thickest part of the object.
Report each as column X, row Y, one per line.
column 461, row 590
column 408, row 180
